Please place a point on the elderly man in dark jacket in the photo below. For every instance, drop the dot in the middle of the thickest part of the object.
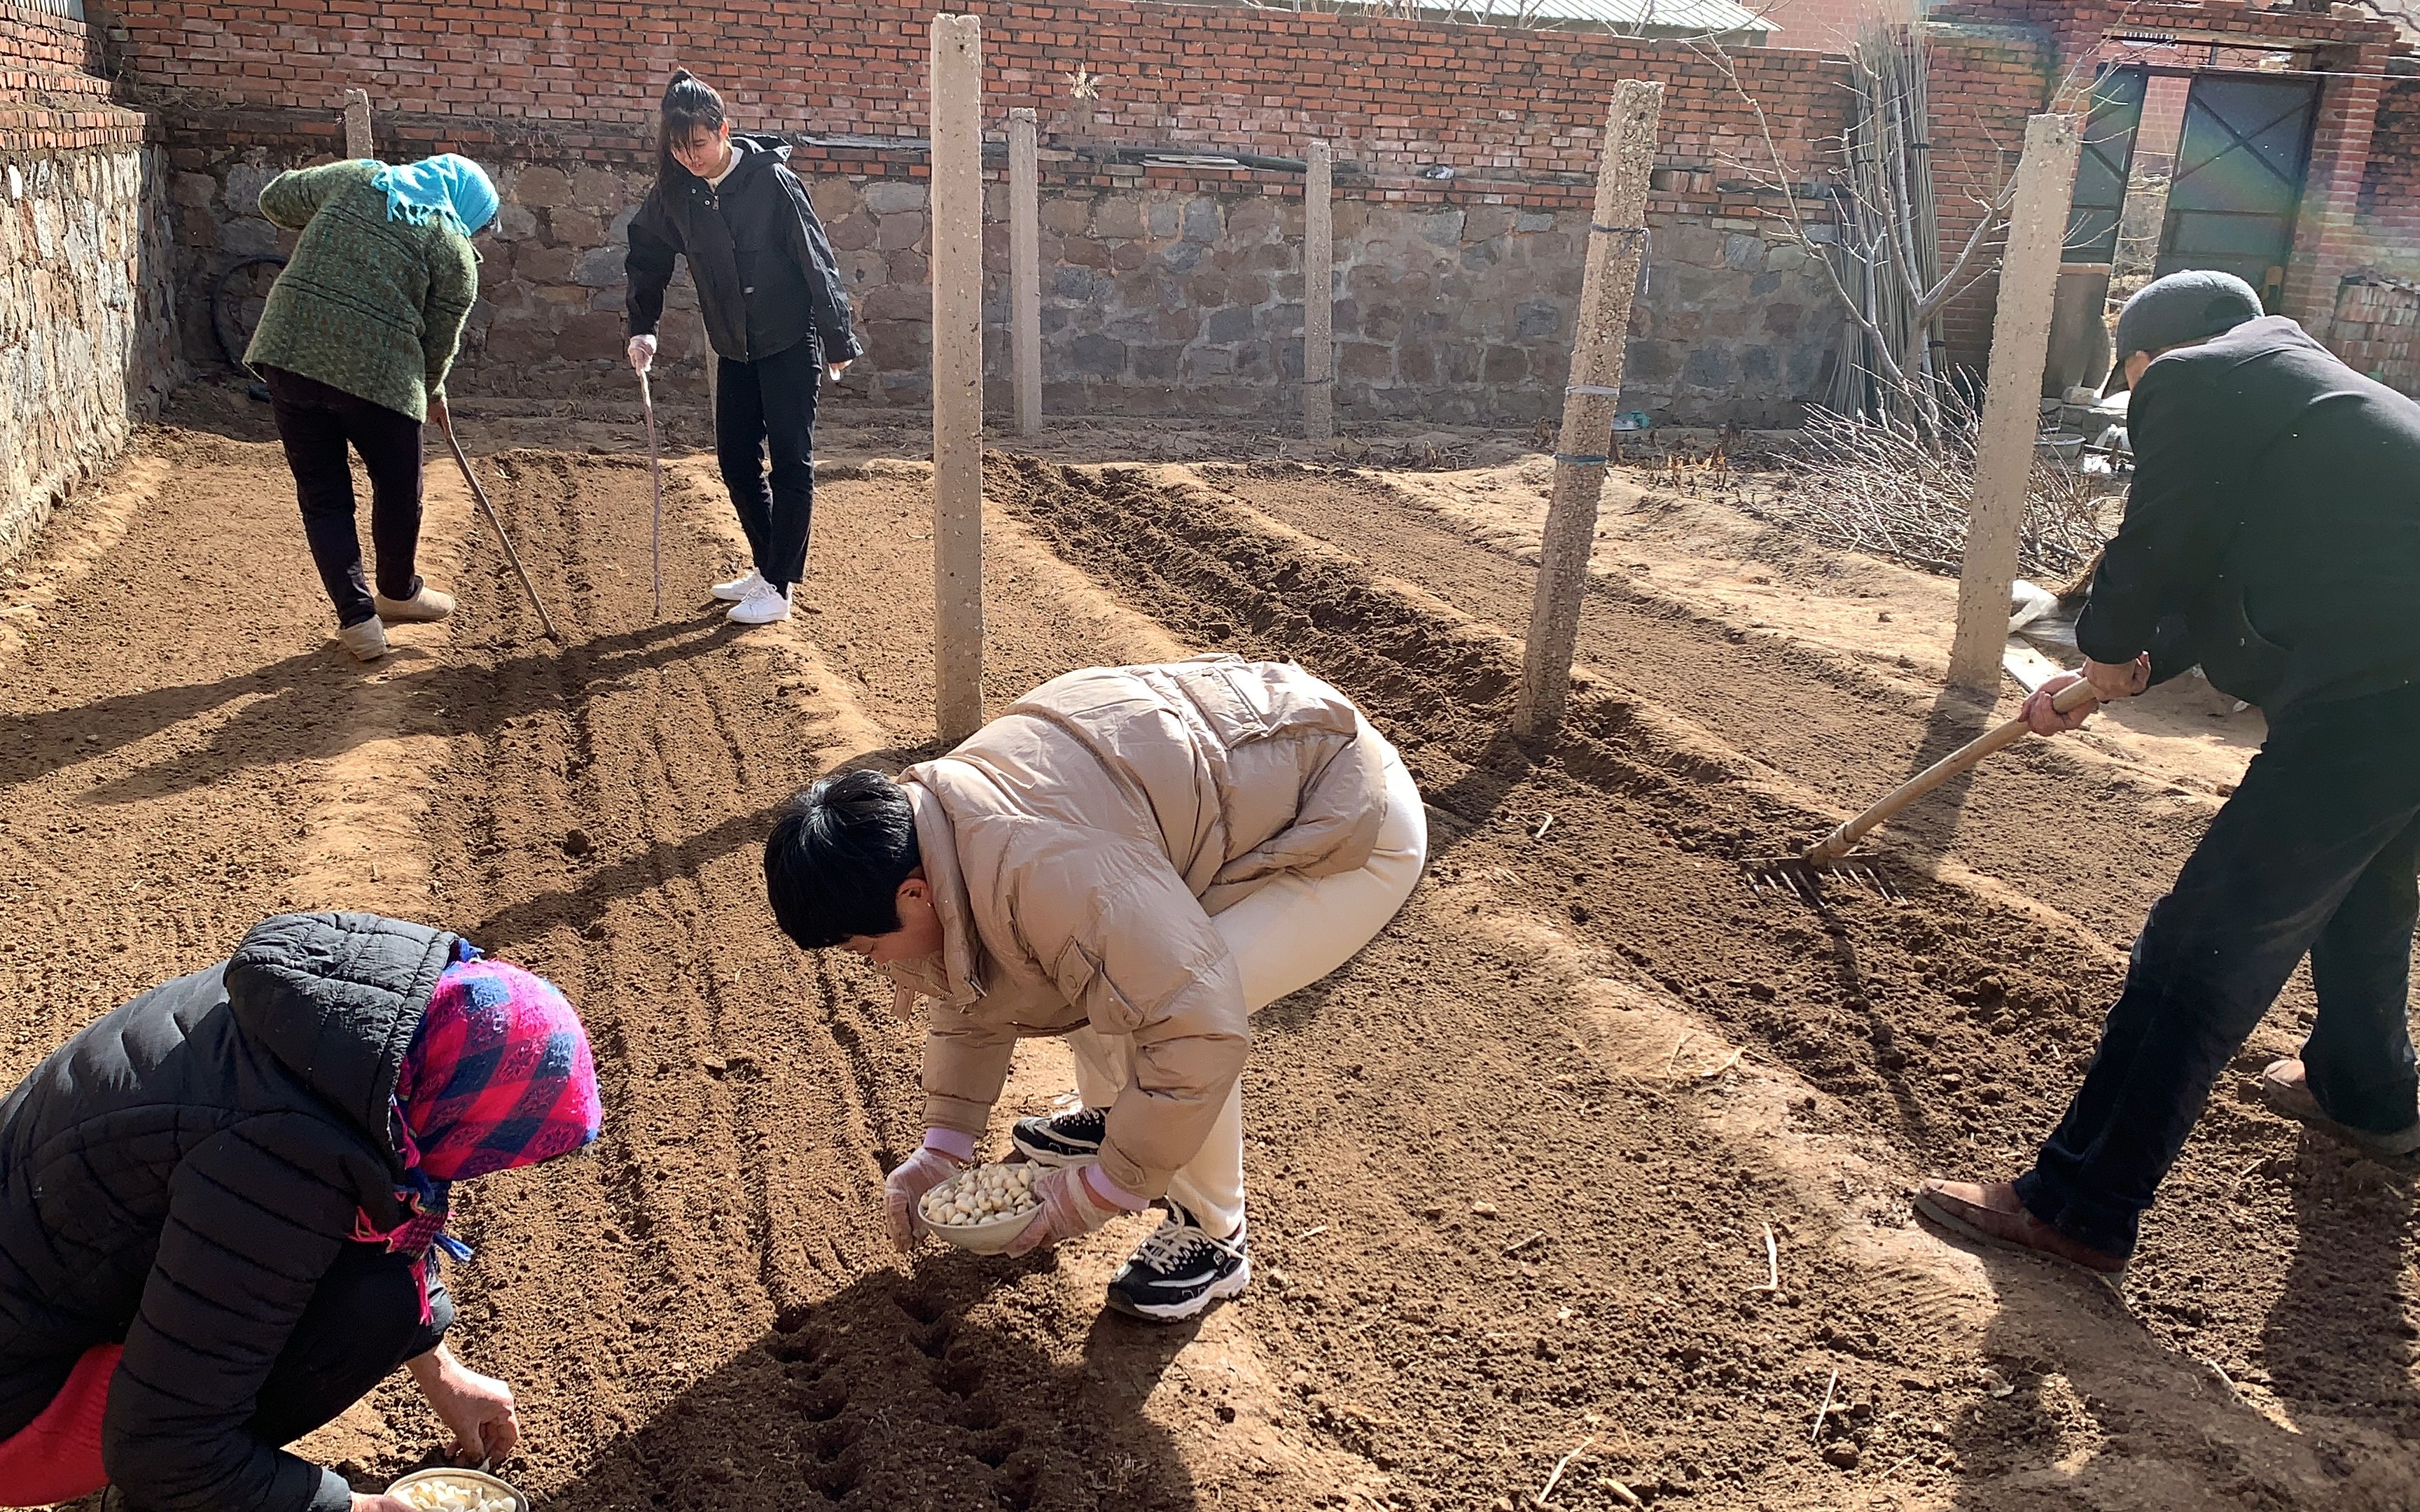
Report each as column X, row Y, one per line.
column 217, row 1205
column 2273, row 537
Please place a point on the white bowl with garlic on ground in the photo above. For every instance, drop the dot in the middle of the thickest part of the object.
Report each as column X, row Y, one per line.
column 444, row 1489
column 982, row 1208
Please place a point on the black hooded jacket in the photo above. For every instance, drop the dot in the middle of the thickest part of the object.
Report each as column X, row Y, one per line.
column 767, row 277
column 2272, row 535
column 181, row 1174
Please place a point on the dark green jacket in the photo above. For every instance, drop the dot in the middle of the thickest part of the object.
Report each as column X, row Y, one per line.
column 365, row 304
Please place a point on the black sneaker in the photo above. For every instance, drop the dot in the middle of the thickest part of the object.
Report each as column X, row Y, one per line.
column 1071, row 1139
column 1180, row 1270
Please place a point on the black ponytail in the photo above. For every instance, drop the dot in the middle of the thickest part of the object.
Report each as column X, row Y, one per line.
column 691, row 105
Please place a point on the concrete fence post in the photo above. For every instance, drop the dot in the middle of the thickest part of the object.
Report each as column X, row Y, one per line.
column 357, row 125
column 956, row 89
column 1591, row 395
column 1318, row 277
column 2011, row 418
column 1025, row 267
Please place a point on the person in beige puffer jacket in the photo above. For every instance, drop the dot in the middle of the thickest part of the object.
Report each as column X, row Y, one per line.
column 1138, row 859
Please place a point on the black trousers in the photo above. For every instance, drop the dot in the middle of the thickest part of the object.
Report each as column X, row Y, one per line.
column 362, row 1323
column 2316, row 853
column 770, row 406
column 316, row 422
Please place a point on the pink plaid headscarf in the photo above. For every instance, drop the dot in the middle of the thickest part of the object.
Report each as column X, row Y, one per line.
column 498, row 1076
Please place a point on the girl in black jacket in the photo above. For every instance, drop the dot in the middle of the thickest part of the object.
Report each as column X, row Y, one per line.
column 776, row 313
column 218, row 1205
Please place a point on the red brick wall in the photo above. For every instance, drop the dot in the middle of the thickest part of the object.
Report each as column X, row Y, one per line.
column 1825, row 26
column 47, row 101
column 34, row 42
column 1500, row 108
column 1982, row 87
column 2389, row 223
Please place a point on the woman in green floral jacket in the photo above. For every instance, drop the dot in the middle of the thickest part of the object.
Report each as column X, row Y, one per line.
column 354, row 345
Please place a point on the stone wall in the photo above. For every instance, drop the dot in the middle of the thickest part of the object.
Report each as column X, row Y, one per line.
column 1169, row 295
column 1466, row 161
column 86, row 345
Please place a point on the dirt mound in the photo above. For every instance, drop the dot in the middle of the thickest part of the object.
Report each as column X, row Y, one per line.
column 1513, row 1171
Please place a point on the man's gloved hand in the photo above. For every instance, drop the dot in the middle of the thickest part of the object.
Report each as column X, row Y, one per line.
column 642, row 353
column 907, row 1185
column 2046, row 720
column 1072, row 1205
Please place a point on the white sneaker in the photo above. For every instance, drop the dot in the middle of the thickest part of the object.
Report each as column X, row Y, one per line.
column 763, row 606
column 739, row 587
column 364, row 639
column 426, row 606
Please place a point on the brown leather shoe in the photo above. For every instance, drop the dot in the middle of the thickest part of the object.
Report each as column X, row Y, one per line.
column 1990, row 1214
column 2283, row 1088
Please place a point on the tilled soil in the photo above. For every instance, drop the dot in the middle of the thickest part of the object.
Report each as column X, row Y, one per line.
column 1514, row 1170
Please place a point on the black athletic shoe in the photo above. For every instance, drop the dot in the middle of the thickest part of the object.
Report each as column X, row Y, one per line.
column 1180, row 1270
column 1063, row 1139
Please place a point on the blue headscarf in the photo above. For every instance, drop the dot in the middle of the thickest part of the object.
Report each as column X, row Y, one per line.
column 448, row 187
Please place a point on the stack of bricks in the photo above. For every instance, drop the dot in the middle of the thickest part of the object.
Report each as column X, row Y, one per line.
column 2377, row 329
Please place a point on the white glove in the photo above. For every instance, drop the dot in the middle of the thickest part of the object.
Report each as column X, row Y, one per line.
column 907, row 1182
column 642, row 353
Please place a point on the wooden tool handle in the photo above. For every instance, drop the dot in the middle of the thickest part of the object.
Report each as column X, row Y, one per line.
column 656, row 464
column 1836, row 844
column 462, row 460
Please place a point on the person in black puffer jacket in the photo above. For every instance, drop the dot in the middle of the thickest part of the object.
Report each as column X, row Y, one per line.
column 776, row 313
column 218, row 1205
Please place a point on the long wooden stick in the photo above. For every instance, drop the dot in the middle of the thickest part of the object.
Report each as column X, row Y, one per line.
column 1617, row 245
column 497, row 520
column 1836, row 844
column 655, row 462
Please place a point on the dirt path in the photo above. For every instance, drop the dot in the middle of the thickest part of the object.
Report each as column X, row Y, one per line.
column 1513, row 1170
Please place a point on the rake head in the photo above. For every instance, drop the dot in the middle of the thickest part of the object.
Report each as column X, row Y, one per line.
column 1803, row 878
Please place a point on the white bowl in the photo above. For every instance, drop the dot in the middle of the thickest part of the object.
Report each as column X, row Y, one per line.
column 989, row 1237
column 473, row 1477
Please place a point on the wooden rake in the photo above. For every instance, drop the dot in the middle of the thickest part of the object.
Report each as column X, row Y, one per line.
column 1836, row 854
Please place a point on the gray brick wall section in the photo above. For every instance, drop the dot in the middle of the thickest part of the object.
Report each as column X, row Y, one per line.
column 1154, row 303
column 87, row 348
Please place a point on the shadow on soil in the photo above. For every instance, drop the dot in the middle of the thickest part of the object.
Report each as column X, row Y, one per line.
column 296, row 708
column 890, row 1395
column 2336, row 1362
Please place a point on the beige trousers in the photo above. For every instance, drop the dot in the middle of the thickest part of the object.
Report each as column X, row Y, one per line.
column 1286, row 936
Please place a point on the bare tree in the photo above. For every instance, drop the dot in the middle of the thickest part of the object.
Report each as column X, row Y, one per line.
column 1873, row 226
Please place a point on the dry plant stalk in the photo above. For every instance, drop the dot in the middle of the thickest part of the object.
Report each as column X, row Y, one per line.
column 1881, row 486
